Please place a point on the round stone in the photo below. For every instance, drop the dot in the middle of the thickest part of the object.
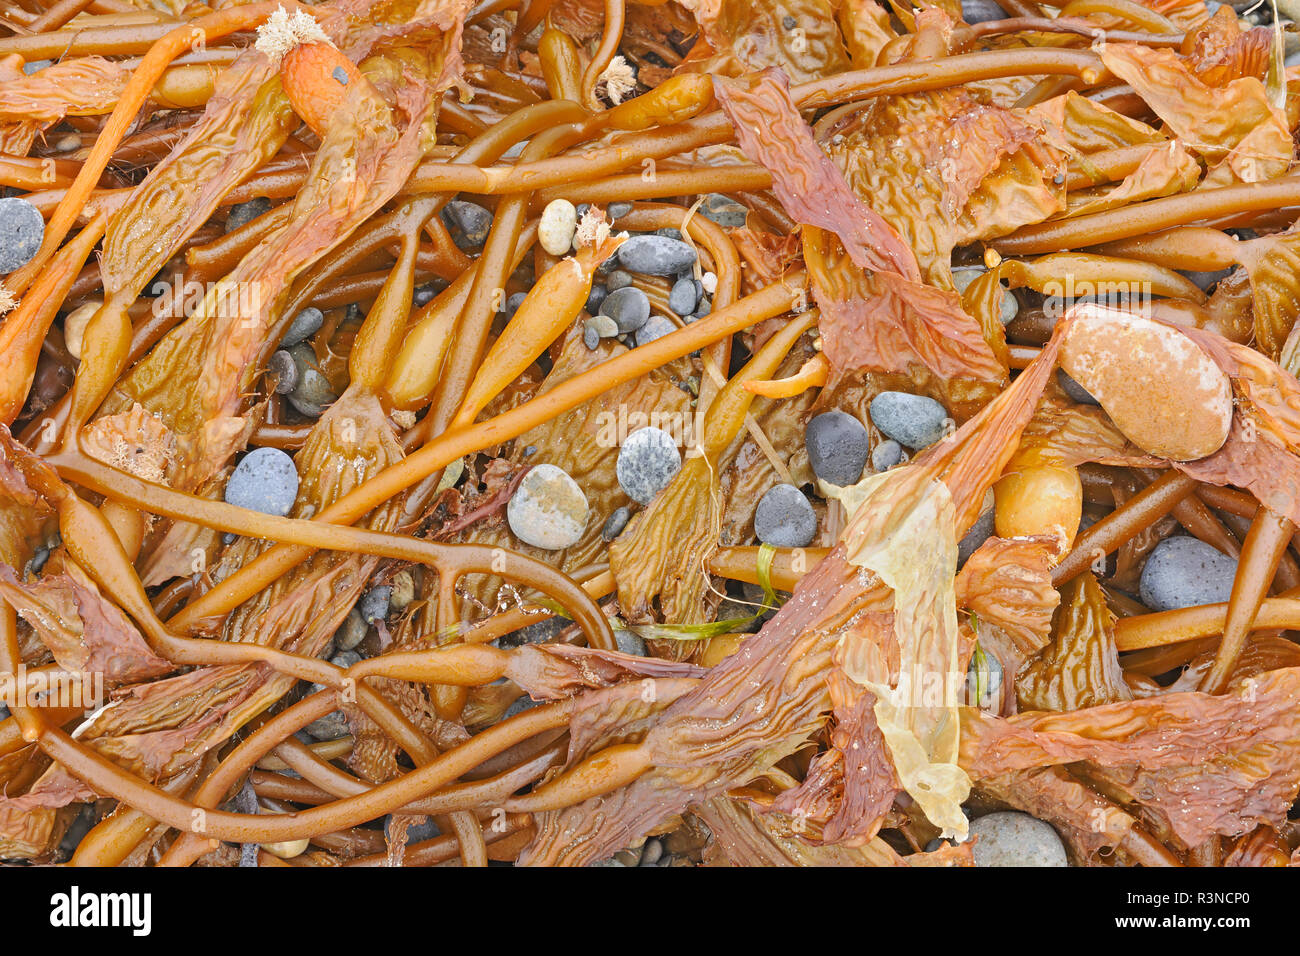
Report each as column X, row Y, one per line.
column 684, row 297
column 548, row 509
column 21, row 232
column 1207, row 280
column 837, row 447
column 265, row 480
column 784, row 518
column 963, row 276
column 351, row 632
column 284, row 371
column 647, row 462
column 704, row 308
column 242, row 213
column 913, row 421
column 418, row 828
column 312, row 393
column 330, row 727
column 1185, row 572
column 981, row 11
column 590, row 338
column 630, row 643
column 617, row 279
column 1074, row 389
column 979, row 532
column 656, row 255
column 423, row 295
column 556, row 227
column 35, row 66
column 470, row 223
column 617, row 210
column 709, row 282
column 603, row 326
column 615, row 523
column 723, row 210
column 374, row 603
column 595, row 297
column 304, row 325
column 1016, row 839
column 512, row 304
column 656, row 328
column 628, row 306
column 886, row 455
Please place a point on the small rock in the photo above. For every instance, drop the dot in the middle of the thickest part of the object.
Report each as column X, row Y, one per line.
column 265, row 480
column 669, row 233
column 595, row 297
column 403, row 592
column 647, row 462
column 615, row 523
column 1074, row 389
column 655, row 328
column 304, row 325
column 684, row 297
column 981, row 11
column 470, row 223
column 886, row 455
column 604, row 326
column 330, row 727
column 423, row 295
column 651, row 852
column 520, row 705
column 723, row 210
column 21, row 232
column 979, row 532
column 784, row 518
column 512, row 304
column 284, row 371
column 548, row 509
column 617, row 279
column 1206, row 280
column 913, row 421
column 1016, row 839
column 35, row 66
column 656, row 255
column 617, row 210
column 837, row 447
column 351, row 632
column 629, row 307
column 1184, row 572
column 984, row 682
column 629, row 643
column 704, row 308
column 629, row 857
column 418, row 828
column 590, row 338
column 67, row 143
column 556, row 227
column 312, row 393
column 242, row 213
column 374, row 604
column 607, row 862
column 709, row 282
column 345, row 659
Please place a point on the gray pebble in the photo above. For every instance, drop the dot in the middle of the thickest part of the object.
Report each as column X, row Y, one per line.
column 539, row 632
column 39, row 557
column 519, row 706
column 656, row 255
column 35, row 66
column 669, row 233
column 651, row 852
column 979, row 532
column 656, row 328
column 963, row 276
column 723, row 210
column 1206, row 280
column 647, row 462
column 304, row 325
column 1184, row 572
column 617, row 210
column 470, row 223
column 684, row 297
column 630, row 643
column 374, row 603
column 629, row 307
column 984, row 682
column 784, row 518
column 242, row 213
column 284, row 370
column 837, row 447
column 351, row 632
column 423, row 295
column 346, row 659
column 548, row 509
column 1074, row 389
column 604, row 326
column 330, row 727
column 595, row 297
column 615, row 523
column 913, row 421
column 590, row 338
column 704, row 308
column 417, row 830
column 980, row 11
column 512, row 304
column 21, row 232
column 617, row 279
column 886, row 455
column 1016, row 839
column 606, row 862
column 312, row 393
column 265, row 480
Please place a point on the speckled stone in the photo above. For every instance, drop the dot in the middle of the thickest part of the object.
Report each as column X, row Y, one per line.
column 785, row 518
column 886, row 455
column 265, row 480
column 1184, row 572
column 548, row 509
column 1016, row 839
column 723, row 210
column 242, row 213
column 21, row 230
column 656, row 255
column 647, row 462
column 615, row 523
column 913, row 421
column 837, row 447
column 630, row 643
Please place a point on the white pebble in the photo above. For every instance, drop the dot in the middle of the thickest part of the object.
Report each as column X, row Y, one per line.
column 556, row 228
column 710, row 283
column 74, row 326
column 548, row 509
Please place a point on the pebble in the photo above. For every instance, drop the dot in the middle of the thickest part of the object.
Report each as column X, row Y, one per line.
column 312, row 393
column 629, row 643
column 979, row 532
column 374, row 603
column 1159, row 387
column 423, row 295
column 1016, row 839
column 984, row 690
column 520, row 705
column 981, row 11
column 417, row 831
column 709, row 282
column 784, row 518
column 330, row 727
column 1074, row 389
column 304, row 325
column 604, row 326
column 837, row 447
column 595, row 297
column 647, row 462
column 265, row 480
column 704, row 308
column 67, row 143
column 346, row 659
column 617, row 279
column 21, row 232
column 615, row 523
column 963, row 276
column 684, row 297
column 629, row 307
column 656, row 255
column 590, row 338
column 651, row 852
column 35, row 66
column 913, row 421
column 556, row 227
column 886, row 455
column 351, row 632
column 470, row 223
column 1184, row 572
column 1206, row 280
column 656, row 328
column 403, row 591
column 617, row 210
column 285, row 371
column 512, row 304
column 242, row 213
column 723, row 210
column 74, row 326
column 548, row 509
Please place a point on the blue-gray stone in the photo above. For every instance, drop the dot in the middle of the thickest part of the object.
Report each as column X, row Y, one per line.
column 595, row 297
column 784, row 518
column 519, row 706
column 512, row 304
column 469, row 222
column 629, row 307
column 617, row 279
column 723, row 210
column 313, row 391
column 418, row 828
column 980, row 11
column 886, row 455
column 590, row 338
column 1184, row 572
column 304, row 325
column 647, row 462
column 837, row 447
column 655, row 328
column 617, row 210
column 630, row 643
column 35, row 66
column 374, row 603
column 656, row 255
column 704, row 308
column 265, row 480
column 284, row 371
column 242, row 213
column 1206, row 280
column 1074, row 389
column 684, row 297
column 913, row 421
column 669, row 232
column 423, row 295
column 21, row 232
column 615, row 523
